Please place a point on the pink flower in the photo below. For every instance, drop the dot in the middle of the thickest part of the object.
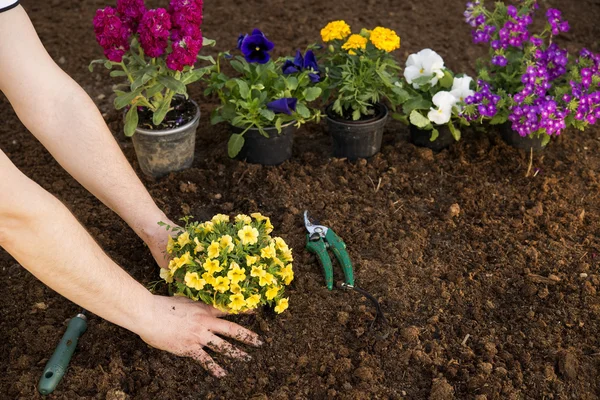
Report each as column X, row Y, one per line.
column 131, row 12
column 184, row 53
column 154, row 31
column 186, row 12
column 111, row 33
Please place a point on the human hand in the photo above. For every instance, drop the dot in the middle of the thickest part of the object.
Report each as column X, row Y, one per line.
column 188, row 326
column 156, row 239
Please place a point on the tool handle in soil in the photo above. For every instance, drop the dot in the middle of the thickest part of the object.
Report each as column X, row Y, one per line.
column 338, row 247
column 319, row 248
column 58, row 363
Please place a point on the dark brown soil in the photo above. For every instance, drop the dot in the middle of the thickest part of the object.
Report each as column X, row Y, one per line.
column 183, row 111
column 489, row 278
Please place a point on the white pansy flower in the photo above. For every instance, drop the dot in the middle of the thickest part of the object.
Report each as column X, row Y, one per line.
column 424, row 63
column 461, row 89
column 444, row 101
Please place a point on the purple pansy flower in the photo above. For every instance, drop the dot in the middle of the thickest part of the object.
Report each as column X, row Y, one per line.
column 308, row 61
column 285, row 105
column 256, row 47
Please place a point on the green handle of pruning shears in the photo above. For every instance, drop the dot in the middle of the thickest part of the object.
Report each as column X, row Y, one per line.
column 58, row 363
column 319, row 248
column 338, row 247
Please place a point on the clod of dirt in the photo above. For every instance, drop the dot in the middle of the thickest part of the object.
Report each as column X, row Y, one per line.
column 441, row 390
column 589, row 288
column 490, row 350
column 454, row 211
column 481, row 397
column 188, row 187
column 410, row 334
column 115, row 394
column 365, row 374
column 425, row 154
column 343, row 317
column 40, row 306
column 302, row 361
column 567, row 364
column 486, row 368
column 537, row 210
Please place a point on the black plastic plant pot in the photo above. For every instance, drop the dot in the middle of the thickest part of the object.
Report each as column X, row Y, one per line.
column 272, row 150
column 422, row 138
column 526, row 143
column 357, row 139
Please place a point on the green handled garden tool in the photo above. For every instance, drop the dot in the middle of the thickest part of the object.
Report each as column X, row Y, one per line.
column 319, row 239
column 58, row 363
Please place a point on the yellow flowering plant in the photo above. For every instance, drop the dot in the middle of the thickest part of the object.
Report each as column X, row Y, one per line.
column 360, row 69
column 232, row 264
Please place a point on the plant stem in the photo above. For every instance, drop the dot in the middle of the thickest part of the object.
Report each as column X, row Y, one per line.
column 126, row 71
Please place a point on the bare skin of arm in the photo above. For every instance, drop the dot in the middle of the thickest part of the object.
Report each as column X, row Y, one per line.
column 44, row 237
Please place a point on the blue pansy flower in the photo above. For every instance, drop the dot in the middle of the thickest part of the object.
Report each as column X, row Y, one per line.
column 240, row 40
column 283, row 106
column 308, row 61
column 256, row 47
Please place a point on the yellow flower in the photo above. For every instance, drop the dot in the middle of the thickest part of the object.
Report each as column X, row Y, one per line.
column 355, row 42
column 206, row 227
column 271, row 293
column 280, row 244
column 193, row 280
column 236, row 274
column 250, row 260
column 243, row 218
column 287, row 255
column 179, row 262
column 214, row 250
column 221, row 284
column 212, row 266
column 258, row 271
column 266, row 279
column 220, row 218
column 209, row 278
column 335, row 30
column 170, row 245
column 385, row 39
column 236, row 302
column 166, row 275
column 184, row 239
column 258, row 216
column 282, row 305
column 248, row 235
column 269, row 251
column 287, row 274
column 235, row 288
column 252, row 301
column 199, row 246
column 226, row 241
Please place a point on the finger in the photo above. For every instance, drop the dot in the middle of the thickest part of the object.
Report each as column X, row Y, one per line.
column 222, row 346
column 234, row 331
column 207, row 362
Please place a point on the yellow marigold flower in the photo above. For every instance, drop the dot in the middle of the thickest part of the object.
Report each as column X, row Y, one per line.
column 287, row 274
column 193, row 280
column 266, row 279
column 250, row 260
column 280, row 244
column 236, row 302
column 235, row 288
column 271, row 293
column 282, row 305
column 269, row 251
column 248, row 235
column 209, row 278
column 212, row 266
column 385, row 39
column 287, row 255
column 166, row 275
column 220, row 218
column 184, row 239
column 252, row 301
column 355, row 42
column 335, row 30
column 199, row 247
column 221, row 284
column 236, row 274
column 243, row 218
column 170, row 245
column 258, row 271
column 214, row 250
column 226, row 241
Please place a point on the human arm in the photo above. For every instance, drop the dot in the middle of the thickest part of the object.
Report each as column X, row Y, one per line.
column 67, row 122
column 44, row 237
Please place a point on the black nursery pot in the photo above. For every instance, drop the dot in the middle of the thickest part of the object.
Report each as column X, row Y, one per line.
column 357, row 139
column 422, row 138
column 272, row 150
column 513, row 138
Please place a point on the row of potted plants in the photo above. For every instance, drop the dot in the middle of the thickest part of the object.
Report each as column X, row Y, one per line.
column 527, row 84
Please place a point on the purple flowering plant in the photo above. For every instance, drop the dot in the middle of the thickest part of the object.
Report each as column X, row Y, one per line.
column 528, row 80
column 264, row 92
column 155, row 50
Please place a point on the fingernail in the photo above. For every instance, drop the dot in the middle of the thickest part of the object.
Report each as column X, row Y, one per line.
column 259, row 342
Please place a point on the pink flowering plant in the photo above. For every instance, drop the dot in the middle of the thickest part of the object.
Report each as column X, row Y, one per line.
column 528, row 80
column 155, row 50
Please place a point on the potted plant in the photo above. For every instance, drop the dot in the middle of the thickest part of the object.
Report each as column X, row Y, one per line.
column 266, row 100
column 434, row 102
column 528, row 84
column 361, row 75
column 155, row 51
column 234, row 266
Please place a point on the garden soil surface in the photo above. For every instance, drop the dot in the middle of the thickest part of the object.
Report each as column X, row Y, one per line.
column 488, row 277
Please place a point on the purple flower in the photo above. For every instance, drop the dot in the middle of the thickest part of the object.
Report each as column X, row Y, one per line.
column 314, row 78
column 499, row 60
column 186, row 12
column 256, row 47
column 240, row 40
column 111, row 33
column 308, row 61
column 131, row 12
column 557, row 23
column 154, row 32
column 184, row 53
column 283, row 106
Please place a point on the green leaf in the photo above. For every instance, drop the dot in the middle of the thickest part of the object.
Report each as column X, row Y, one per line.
column 267, row 114
column 278, row 123
column 131, row 121
column 141, row 81
column 418, row 120
column 117, row 73
column 498, row 119
column 417, row 103
column 206, row 58
column 423, row 80
column 356, row 115
column 291, row 83
column 454, row 131
column 208, row 42
column 123, row 100
column 108, row 64
column 447, row 80
column 235, row 144
column 160, row 114
column 303, row 110
column 173, row 84
column 312, row 93
column 150, row 92
column 434, row 135
column 400, row 117
column 244, row 89
column 91, row 66
column 545, row 140
column 238, row 66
